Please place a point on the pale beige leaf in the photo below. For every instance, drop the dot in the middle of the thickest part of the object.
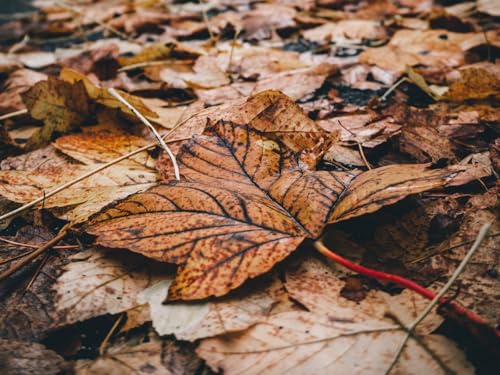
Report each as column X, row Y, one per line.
column 297, row 343
column 97, row 283
column 197, row 320
column 354, row 30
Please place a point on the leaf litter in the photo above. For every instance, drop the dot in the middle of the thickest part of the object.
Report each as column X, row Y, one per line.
column 368, row 127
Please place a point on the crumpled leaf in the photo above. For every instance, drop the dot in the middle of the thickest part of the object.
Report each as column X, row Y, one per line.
column 153, row 52
column 95, row 283
column 60, row 105
column 29, row 358
column 193, row 321
column 102, row 96
column 316, row 344
column 244, row 204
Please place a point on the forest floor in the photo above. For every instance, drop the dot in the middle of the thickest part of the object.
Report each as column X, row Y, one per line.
column 249, row 187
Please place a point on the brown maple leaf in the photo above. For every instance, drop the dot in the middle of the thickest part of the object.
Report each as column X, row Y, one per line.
column 244, row 204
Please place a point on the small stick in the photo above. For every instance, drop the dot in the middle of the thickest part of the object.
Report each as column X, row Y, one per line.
column 17, row 266
column 13, row 114
column 360, row 147
column 102, row 347
column 11, row 259
column 145, row 121
column 392, row 88
column 21, row 244
column 479, row 239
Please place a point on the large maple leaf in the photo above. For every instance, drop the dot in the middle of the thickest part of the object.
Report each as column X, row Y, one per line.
column 246, row 202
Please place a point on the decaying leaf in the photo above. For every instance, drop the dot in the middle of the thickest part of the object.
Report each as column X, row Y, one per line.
column 426, row 144
column 59, row 104
column 95, row 283
column 244, row 204
column 29, row 358
column 302, row 342
column 102, row 96
column 193, row 321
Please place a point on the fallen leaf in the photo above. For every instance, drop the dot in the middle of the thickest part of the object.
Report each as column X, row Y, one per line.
column 476, row 82
column 488, row 6
column 102, row 96
column 142, row 358
column 30, row 182
column 29, row 358
column 153, row 52
column 18, row 82
column 193, row 321
column 60, row 105
column 426, row 144
column 294, row 83
column 321, row 345
column 346, row 30
column 95, row 283
column 439, row 48
column 258, row 206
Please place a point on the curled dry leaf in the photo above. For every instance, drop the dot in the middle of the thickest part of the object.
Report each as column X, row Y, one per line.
column 244, row 204
column 316, row 344
column 95, row 283
column 425, row 144
column 29, row 358
column 19, row 81
column 59, row 104
column 193, row 321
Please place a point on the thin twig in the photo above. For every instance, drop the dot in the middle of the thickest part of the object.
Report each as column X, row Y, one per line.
column 21, row 244
column 37, row 272
column 146, row 122
column 33, row 255
column 231, row 51
column 11, row 259
column 102, row 347
column 13, row 114
column 479, row 239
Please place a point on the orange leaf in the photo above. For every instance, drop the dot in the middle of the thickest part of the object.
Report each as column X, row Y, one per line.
column 244, row 204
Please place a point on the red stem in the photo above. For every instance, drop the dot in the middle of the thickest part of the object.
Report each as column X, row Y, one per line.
column 397, row 280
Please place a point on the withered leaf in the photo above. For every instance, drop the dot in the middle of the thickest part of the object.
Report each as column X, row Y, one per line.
column 95, row 283
column 244, row 204
column 61, row 106
column 316, row 344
